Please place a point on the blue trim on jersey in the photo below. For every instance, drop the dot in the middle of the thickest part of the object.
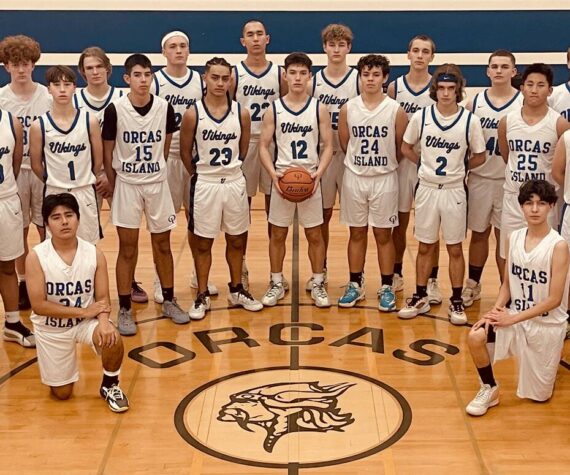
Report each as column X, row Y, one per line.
column 342, row 81
column 467, row 129
column 303, row 109
column 442, row 128
column 498, row 109
column 156, row 86
column 43, row 132
column 173, row 82
column 279, row 74
column 358, row 84
column 314, row 86
column 275, row 149
column 423, row 122
column 11, row 121
column 75, row 101
column 411, row 91
column 211, row 116
column 55, row 126
column 257, row 76
column 396, row 89
column 236, row 77
column 91, row 106
column 318, row 130
column 240, row 158
column 474, row 105
column 196, row 157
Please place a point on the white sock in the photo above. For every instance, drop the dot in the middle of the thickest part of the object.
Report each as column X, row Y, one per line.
column 13, row 317
column 277, row 277
column 112, row 373
column 318, row 278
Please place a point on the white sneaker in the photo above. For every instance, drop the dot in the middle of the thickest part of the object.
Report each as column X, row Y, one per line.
column 414, row 307
column 398, row 283
column 200, row 306
column 486, row 398
column 158, row 297
column 320, row 296
column 309, row 284
column 274, row 293
column 242, row 298
column 212, row 289
column 244, row 276
column 434, row 294
column 456, row 312
column 471, row 292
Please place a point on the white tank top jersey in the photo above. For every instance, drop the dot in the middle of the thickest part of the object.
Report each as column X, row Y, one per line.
column 494, row 166
column 26, row 111
column 296, row 136
column 95, row 106
column 70, row 285
column 566, row 137
column 371, row 147
column 531, row 149
column 410, row 100
column 217, row 143
column 138, row 157
column 530, row 276
column 181, row 93
column 559, row 100
column 8, row 186
column 445, row 143
column 256, row 92
column 334, row 96
column 67, row 153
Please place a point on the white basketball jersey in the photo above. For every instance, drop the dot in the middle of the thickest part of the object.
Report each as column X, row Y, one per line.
column 256, row 92
column 410, row 100
column 70, row 285
column 296, row 136
column 138, row 157
column 530, row 276
column 444, row 145
column 560, row 100
column 371, row 147
column 566, row 138
column 8, row 186
column 67, row 153
column 181, row 93
column 494, row 166
column 94, row 105
column 531, row 149
column 217, row 143
column 334, row 96
column 26, row 111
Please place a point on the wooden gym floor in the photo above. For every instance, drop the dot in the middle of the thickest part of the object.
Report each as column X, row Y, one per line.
column 291, row 389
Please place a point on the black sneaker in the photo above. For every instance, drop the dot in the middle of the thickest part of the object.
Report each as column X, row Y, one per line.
column 23, row 300
column 116, row 399
column 20, row 334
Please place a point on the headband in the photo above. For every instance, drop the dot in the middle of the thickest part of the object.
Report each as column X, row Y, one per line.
column 172, row 34
column 446, row 77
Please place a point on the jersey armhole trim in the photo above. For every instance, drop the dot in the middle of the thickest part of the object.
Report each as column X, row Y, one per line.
column 11, row 121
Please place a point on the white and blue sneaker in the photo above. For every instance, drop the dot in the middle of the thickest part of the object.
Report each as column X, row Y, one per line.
column 352, row 294
column 386, row 299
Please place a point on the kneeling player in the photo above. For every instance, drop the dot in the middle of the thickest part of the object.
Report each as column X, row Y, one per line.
column 68, row 287
column 370, row 130
column 532, row 329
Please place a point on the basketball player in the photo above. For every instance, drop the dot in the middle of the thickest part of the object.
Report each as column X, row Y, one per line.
column 451, row 141
column 560, row 98
column 370, row 130
column 137, row 130
column 218, row 196
column 527, row 139
column 26, row 100
column 66, row 150
column 297, row 121
column 69, row 291
column 256, row 83
column 181, row 87
column 333, row 86
column 11, row 237
column 95, row 68
column 532, row 328
column 486, row 182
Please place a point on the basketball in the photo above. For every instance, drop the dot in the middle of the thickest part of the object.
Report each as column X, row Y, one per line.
column 296, row 184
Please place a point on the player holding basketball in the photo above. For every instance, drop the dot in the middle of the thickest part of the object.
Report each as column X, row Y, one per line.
column 451, row 141
column 370, row 130
column 532, row 328
column 66, row 150
column 26, row 100
column 333, row 86
column 219, row 129
column 486, row 182
column 297, row 121
column 69, row 291
column 136, row 132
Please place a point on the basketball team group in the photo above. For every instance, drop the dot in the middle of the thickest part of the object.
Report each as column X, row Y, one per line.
column 208, row 143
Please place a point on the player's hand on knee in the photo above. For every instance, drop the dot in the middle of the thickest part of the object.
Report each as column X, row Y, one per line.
column 101, row 306
column 107, row 334
column 482, row 323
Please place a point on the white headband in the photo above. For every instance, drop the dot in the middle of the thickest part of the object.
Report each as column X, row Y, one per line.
column 172, row 34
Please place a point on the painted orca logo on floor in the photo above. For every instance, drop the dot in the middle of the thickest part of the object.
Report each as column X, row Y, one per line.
column 283, row 408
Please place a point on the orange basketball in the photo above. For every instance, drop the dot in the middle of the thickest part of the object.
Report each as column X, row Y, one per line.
column 296, row 184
